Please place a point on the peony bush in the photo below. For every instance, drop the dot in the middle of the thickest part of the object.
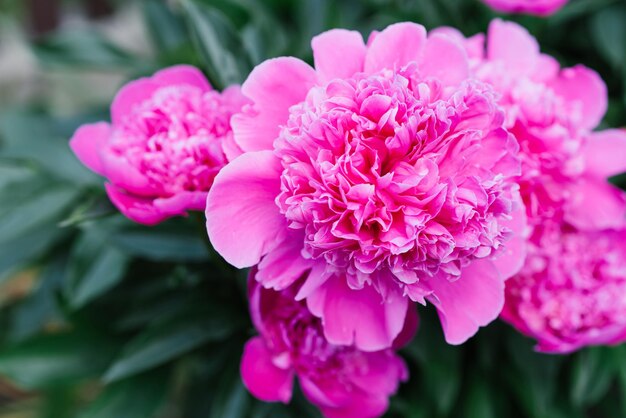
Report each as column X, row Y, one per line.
column 258, row 224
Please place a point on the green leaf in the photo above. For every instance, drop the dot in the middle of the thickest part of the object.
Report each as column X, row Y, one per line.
column 480, row 402
column 592, row 374
column 169, row 338
column 84, row 48
column 166, row 28
column 218, row 43
column 231, row 398
column 56, row 359
column 94, row 267
column 609, row 34
column 138, row 397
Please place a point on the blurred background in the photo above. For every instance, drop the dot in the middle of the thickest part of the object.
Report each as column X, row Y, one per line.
column 101, row 318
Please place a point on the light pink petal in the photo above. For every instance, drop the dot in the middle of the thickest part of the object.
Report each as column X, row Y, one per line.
column 605, row 153
column 510, row 260
column 273, row 86
column 88, row 142
column 584, row 86
column 182, row 202
column 283, row 266
column 596, row 204
column 472, row 301
column 136, row 208
column 512, row 44
column 129, row 96
column 338, row 53
column 359, row 317
column 445, row 59
column 547, row 69
column 243, row 220
column 396, row 46
column 261, row 377
column 181, row 74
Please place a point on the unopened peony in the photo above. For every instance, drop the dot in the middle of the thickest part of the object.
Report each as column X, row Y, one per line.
column 343, row 382
column 386, row 172
column 572, row 290
column 552, row 112
column 170, row 134
column 533, row 7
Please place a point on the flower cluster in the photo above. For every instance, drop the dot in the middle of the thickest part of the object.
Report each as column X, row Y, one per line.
column 413, row 167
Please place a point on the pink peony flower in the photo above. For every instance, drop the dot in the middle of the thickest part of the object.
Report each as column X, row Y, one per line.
column 170, row 135
column 572, row 290
column 533, row 7
column 551, row 111
column 386, row 173
column 343, row 382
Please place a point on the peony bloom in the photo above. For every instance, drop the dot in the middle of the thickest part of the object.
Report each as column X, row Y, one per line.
column 170, row 135
column 572, row 290
column 552, row 112
column 533, row 7
column 343, row 382
column 386, row 173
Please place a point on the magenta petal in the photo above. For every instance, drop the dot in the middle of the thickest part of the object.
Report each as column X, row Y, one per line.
column 396, row 46
column 273, row 86
column 243, row 221
column 510, row 260
column 88, row 142
column 583, row 85
column 181, row 74
column 138, row 209
column 472, row 301
column 605, row 153
column 261, row 377
column 512, row 44
column 283, row 266
column 182, row 202
column 359, row 317
column 445, row 59
column 130, row 96
column 596, row 204
column 370, row 406
column 338, row 53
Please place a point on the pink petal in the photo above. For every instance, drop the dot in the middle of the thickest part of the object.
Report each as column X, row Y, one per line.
column 472, row 301
column 411, row 324
column 370, row 406
column 396, row 46
column 359, row 317
column 510, row 260
column 182, row 202
column 596, row 204
column 283, row 266
column 136, row 208
column 338, row 53
column 583, row 85
column 605, row 153
column 243, row 221
column 130, row 96
column 181, row 74
column 273, row 86
column 512, row 44
column 261, row 377
column 445, row 59
column 125, row 176
column 88, row 142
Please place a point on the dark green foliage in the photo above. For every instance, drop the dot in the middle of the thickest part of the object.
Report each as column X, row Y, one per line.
column 119, row 320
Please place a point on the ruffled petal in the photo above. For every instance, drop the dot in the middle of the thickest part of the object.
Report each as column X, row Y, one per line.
column 605, row 153
column 472, row 301
column 130, row 96
column 595, row 204
column 136, row 208
column 182, row 202
column 338, row 53
column 273, row 86
column 283, row 266
column 510, row 260
column 583, row 85
column 359, row 317
column 243, row 222
column 396, row 46
column 88, row 142
column 261, row 377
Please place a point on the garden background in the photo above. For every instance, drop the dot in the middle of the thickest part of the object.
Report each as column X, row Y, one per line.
column 104, row 318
